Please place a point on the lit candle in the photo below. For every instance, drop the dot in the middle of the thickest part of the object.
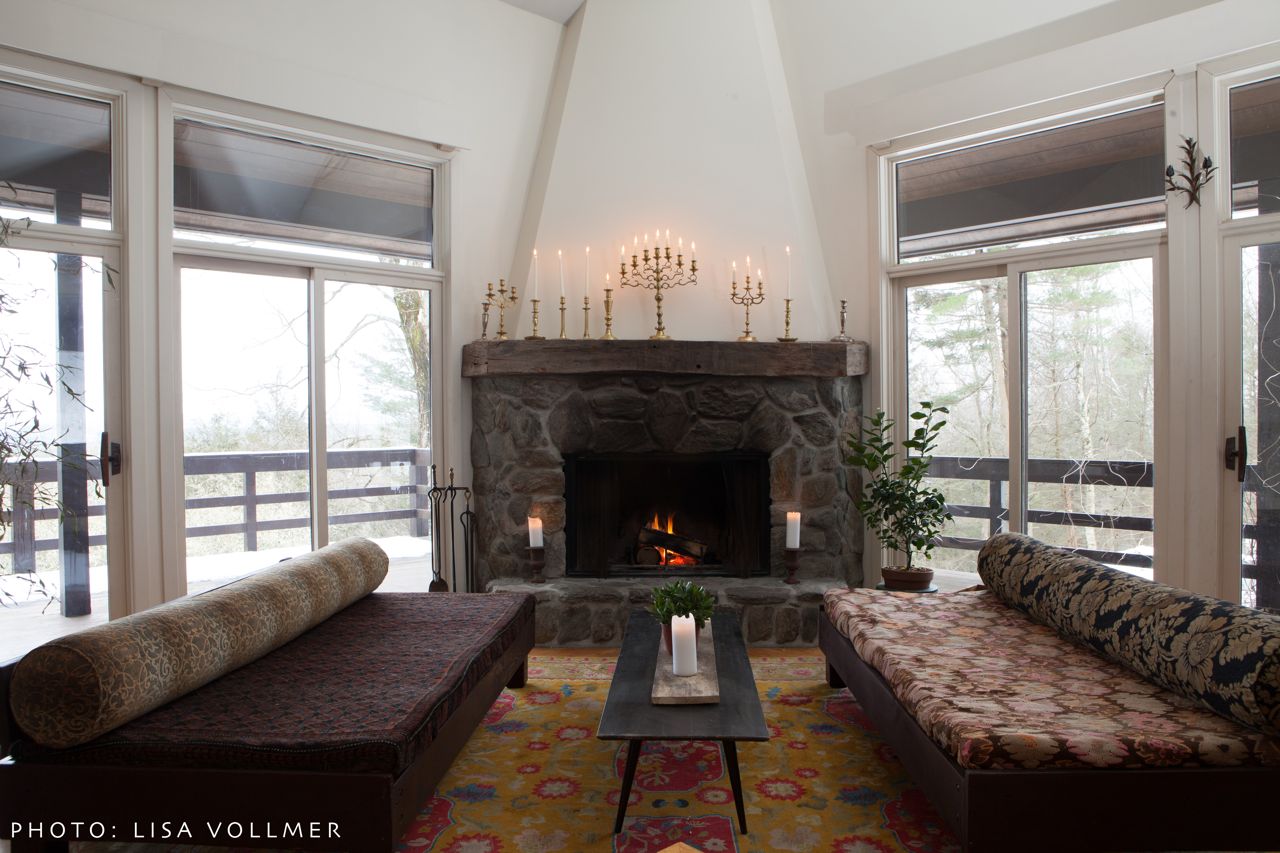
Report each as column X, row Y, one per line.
column 684, row 645
column 535, row 273
column 759, row 281
column 793, row 530
column 693, row 250
column 668, row 238
column 788, row 272
column 622, row 253
column 535, row 532
column 587, row 284
column 735, row 276
column 560, row 255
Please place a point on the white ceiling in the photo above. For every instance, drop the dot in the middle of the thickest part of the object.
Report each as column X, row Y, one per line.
column 559, row 11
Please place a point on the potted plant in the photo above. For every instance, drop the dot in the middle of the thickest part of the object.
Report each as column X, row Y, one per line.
column 905, row 515
column 681, row 598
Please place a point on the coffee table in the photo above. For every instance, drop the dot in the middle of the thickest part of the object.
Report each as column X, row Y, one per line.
column 630, row 715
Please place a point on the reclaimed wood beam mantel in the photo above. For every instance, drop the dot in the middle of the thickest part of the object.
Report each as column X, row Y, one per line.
column 706, row 358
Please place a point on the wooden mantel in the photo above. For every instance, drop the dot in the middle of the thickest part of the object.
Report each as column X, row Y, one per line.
column 705, row 358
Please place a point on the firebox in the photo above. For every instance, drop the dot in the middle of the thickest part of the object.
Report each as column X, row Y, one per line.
column 656, row 513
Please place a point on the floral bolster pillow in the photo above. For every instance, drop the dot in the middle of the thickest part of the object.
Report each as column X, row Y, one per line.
column 73, row 689
column 1225, row 656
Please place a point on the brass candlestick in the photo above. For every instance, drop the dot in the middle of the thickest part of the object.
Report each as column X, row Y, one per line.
column 786, row 333
column 535, row 336
column 503, row 300
column 484, row 318
column 608, row 316
column 562, row 310
column 586, row 318
column 842, row 337
column 746, row 299
column 657, row 272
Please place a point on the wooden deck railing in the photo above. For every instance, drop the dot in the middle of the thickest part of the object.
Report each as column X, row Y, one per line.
column 23, row 545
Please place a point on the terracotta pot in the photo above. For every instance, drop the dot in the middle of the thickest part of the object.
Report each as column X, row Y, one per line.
column 903, row 579
column 666, row 635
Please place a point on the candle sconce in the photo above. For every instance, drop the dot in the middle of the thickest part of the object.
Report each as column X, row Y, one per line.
column 658, row 272
column 537, row 560
column 746, row 299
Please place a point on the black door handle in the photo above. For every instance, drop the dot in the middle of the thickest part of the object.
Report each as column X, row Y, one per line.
column 110, row 457
column 1236, row 453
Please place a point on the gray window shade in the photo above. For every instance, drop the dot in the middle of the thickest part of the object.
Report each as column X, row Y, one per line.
column 1255, row 147
column 55, row 154
column 233, row 182
column 1101, row 174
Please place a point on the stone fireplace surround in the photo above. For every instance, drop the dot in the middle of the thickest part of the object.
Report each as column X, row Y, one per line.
column 534, row 401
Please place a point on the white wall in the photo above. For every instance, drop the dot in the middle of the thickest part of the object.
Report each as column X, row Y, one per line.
column 675, row 115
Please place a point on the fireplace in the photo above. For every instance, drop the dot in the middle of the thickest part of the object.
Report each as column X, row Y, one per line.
column 702, row 514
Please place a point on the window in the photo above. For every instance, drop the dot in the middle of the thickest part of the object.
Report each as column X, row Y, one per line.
column 307, row 389
column 1255, row 148
column 1097, row 176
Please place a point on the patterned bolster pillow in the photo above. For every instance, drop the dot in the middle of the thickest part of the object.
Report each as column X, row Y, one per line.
column 1222, row 655
column 73, row 689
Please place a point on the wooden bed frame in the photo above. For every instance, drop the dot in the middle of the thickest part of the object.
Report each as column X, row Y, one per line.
column 1065, row 810
column 370, row 810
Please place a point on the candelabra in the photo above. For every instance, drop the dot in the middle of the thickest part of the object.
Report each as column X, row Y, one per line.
column 503, row 300
column 608, row 316
column 842, row 337
column 658, row 272
column 586, row 318
column 535, row 336
column 562, row 315
column 746, row 299
column 787, row 337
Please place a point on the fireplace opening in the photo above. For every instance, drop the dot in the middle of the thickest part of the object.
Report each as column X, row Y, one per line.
column 678, row 514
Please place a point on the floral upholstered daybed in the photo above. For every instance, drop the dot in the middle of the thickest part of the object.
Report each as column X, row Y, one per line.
column 1068, row 706
column 293, row 708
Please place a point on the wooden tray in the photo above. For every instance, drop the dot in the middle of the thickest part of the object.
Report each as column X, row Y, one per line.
column 700, row 689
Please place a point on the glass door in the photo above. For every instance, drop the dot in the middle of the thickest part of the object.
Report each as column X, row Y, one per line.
column 55, row 312
column 1251, row 451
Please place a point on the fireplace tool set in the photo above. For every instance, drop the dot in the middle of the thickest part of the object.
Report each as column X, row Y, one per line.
column 443, row 501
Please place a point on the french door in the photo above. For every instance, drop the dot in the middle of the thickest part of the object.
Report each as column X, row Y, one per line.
column 1048, row 367
column 307, row 403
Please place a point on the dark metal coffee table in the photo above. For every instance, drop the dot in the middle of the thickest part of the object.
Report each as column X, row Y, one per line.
column 629, row 714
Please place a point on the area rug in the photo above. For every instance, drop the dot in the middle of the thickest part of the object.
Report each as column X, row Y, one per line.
column 534, row 778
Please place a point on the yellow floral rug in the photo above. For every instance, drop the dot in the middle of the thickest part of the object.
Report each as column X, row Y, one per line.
column 534, row 778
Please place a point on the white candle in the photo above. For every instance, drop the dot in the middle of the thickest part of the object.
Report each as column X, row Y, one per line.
column 560, row 255
column 788, row 272
column 535, row 273
column 693, row 250
column 684, row 645
column 535, row 532
column 586, row 285
column 793, row 530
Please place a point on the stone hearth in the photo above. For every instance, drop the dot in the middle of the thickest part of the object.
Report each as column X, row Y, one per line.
column 533, row 402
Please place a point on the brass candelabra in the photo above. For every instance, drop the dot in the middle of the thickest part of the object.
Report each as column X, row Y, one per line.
column 608, row 316
column 746, row 299
column 503, row 300
column 658, row 272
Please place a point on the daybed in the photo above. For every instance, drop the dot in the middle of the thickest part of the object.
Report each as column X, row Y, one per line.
column 288, row 709
column 1069, row 706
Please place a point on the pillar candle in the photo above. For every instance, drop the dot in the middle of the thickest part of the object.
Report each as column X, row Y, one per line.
column 535, row 532
column 793, row 530
column 684, row 645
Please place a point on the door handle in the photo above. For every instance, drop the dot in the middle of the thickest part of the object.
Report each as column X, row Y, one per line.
column 1236, row 453
column 110, row 456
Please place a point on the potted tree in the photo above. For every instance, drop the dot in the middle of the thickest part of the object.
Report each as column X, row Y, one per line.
column 905, row 515
column 681, row 598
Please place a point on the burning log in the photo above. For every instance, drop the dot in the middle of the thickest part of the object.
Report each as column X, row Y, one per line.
column 673, row 542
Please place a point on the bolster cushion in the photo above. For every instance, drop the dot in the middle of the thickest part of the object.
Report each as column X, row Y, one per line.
column 73, row 689
column 1222, row 655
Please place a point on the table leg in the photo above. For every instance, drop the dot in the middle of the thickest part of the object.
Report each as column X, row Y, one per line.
column 731, row 757
column 633, row 758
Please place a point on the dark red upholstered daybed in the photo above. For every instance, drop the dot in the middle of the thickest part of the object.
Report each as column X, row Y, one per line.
column 341, row 734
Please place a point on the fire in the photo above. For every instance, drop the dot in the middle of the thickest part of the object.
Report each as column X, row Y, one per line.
column 670, row 558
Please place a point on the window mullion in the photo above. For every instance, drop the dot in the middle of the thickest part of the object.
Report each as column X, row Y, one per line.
column 319, row 423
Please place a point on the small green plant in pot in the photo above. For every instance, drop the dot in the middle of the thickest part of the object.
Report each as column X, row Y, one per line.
column 681, row 598
column 905, row 515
